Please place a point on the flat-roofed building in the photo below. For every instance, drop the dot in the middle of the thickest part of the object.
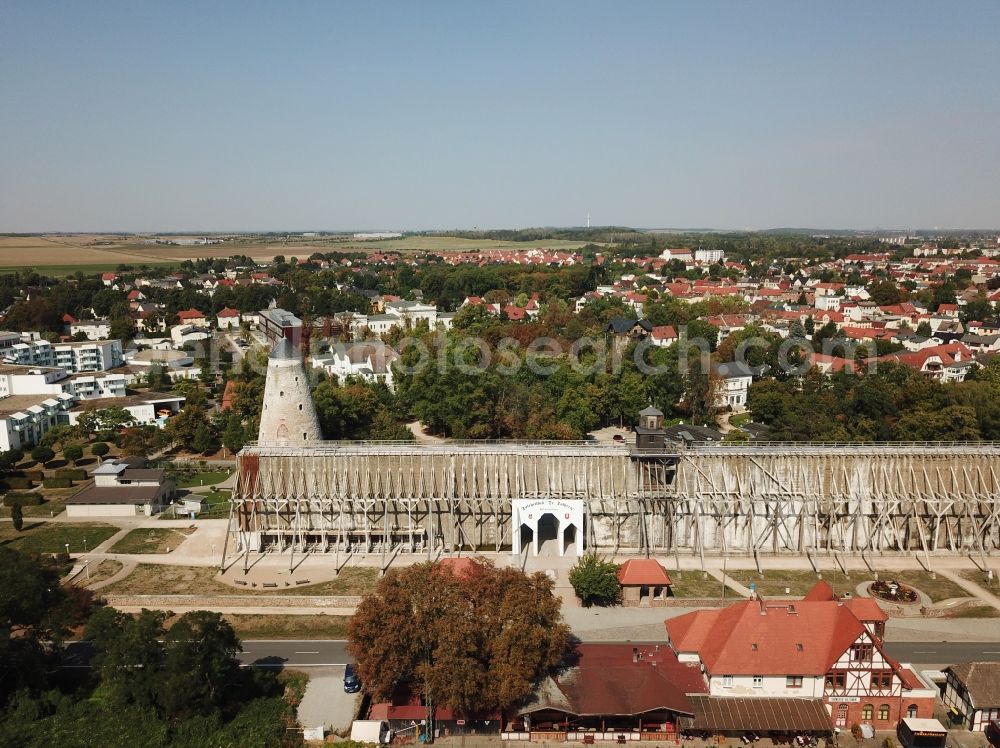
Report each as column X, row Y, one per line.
column 120, row 490
column 24, row 419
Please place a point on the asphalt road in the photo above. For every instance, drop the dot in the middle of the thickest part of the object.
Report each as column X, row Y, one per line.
column 319, row 653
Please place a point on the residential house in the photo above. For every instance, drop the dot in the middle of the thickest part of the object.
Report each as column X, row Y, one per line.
column 734, row 385
column 972, row 694
column 663, row 335
column 192, row 317
column 95, row 329
column 820, row 647
column 369, row 360
column 228, row 319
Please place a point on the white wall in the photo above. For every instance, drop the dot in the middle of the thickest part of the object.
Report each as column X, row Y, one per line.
column 771, row 685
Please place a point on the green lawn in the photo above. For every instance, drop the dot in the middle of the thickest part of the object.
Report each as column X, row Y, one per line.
column 798, row 581
column 200, row 479
column 150, row 540
column 218, row 506
column 693, row 584
column 41, row 537
column 977, row 577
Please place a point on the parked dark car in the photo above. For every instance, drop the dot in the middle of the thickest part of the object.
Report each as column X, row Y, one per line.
column 351, row 682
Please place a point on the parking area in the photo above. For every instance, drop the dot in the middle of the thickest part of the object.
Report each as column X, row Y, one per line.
column 325, row 702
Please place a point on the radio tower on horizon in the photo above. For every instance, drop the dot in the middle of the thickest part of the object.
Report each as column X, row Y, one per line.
column 588, row 219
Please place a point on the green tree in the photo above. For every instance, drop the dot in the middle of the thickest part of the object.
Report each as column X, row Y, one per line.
column 233, row 437
column 183, row 428
column 35, row 616
column 99, row 449
column 17, row 516
column 199, row 668
column 73, row 453
column 104, row 420
column 157, row 378
column 42, row 454
column 595, row 581
column 204, row 438
column 924, row 329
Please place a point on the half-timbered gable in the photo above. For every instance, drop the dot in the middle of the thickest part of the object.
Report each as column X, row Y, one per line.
column 819, row 647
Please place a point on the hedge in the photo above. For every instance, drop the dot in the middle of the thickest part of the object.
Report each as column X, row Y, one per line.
column 15, row 482
column 71, row 473
column 33, row 474
column 57, row 483
column 24, row 499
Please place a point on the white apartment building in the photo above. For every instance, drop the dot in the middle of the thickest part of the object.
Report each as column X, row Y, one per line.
column 26, row 380
column 73, row 357
column 709, row 255
column 24, row 419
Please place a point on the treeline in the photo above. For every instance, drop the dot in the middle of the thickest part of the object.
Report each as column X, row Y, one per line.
column 154, row 682
column 892, row 403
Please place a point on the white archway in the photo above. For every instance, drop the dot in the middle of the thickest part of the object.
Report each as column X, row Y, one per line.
column 568, row 517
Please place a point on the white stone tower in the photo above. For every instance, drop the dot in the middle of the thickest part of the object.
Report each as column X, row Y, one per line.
column 288, row 416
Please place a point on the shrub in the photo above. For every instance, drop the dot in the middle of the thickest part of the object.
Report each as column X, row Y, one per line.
column 42, row 454
column 73, row 453
column 22, row 499
column 71, row 473
column 19, row 483
column 595, row 581
column 57, row 483
column 99, row 449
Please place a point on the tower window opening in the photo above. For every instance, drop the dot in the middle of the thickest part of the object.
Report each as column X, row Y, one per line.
column 303, row 435
column 281, row 393
column 300, row 406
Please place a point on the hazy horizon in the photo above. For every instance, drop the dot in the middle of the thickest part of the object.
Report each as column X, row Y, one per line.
column 231, row 117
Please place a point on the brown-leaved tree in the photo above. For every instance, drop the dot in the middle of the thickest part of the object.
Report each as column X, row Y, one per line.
column 471, row 638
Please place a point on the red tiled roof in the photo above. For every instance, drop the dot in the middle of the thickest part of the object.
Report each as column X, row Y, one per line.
column 757, row 637
column 190, row 314
column 227, row 312
column 619, row 679
column 866, row 609
column 663, row 332
column 643, row 571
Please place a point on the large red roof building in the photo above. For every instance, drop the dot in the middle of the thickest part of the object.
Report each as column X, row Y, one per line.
column 819, row 647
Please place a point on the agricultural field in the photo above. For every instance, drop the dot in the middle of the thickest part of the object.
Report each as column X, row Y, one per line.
column 61, row 254
column 64, row 255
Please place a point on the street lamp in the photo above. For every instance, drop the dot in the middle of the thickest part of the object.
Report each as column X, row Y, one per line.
column 84, row 545
column 67, row 548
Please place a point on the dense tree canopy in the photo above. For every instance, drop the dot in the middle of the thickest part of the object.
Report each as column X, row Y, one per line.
column 472, row 638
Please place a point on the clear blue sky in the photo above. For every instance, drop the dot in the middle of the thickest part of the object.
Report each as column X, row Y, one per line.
column 241, row 115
